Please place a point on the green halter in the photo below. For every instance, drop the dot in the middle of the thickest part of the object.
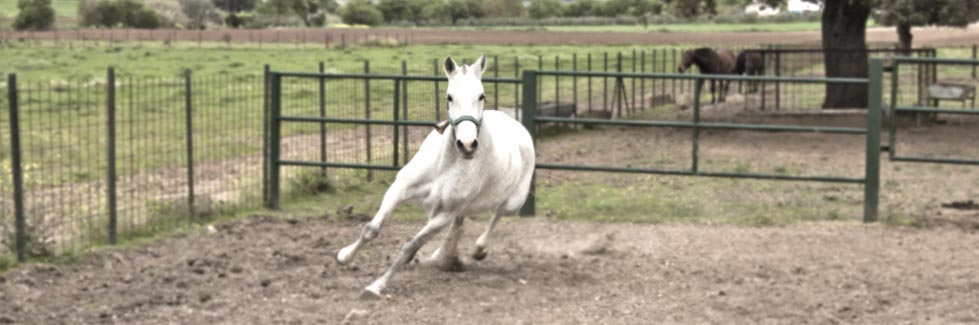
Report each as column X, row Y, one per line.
column 464, row 118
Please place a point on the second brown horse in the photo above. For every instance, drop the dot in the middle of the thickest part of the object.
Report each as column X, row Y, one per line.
column 709, row 61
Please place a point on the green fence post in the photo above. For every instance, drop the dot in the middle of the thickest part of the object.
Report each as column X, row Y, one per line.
column 871, row 194
column 642, row 82
column 190, row 143
column 557, row 82
column 110, row 99
column 574, row 81
column 529, row 84
column 695, row 159
column 15, row 169
column 265, row 136
column 892, row 129
column 367, row 115
column 322, row 89
column 975, row 55
column 396, row 112
column 404, row 111
column 438, row 95
column 275, row 138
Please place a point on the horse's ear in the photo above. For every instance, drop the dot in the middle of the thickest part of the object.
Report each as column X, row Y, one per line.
column 450, row 67
column 480, row 66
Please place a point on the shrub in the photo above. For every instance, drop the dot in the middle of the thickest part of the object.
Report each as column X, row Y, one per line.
column 112, row 13
column 361, row 12
column 311, row 182
column 34, row 14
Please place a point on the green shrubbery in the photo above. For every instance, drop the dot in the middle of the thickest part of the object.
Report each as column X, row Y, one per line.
column 113, row 13
column 34, row 14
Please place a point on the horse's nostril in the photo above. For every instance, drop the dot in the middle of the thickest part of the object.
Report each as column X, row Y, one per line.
column 475, row 144
column 460, row 145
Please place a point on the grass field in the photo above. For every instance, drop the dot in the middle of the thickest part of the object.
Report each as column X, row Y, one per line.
column 680, row 27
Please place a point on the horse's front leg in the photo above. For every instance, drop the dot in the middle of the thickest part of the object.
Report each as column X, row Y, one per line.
column 713, row 91
column 479, row 252
column 446, row 257
column 397, row 193
column 407, row 253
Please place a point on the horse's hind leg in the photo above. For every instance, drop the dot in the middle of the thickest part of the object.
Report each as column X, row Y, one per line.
column 446, row 257
column 407, row 253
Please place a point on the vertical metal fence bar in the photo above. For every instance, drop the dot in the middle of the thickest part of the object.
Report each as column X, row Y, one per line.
column 892, row 129
column 642, row 82
column 367, row 115
column 589, row 86
column 15, row 168
column 188, row 96
column 530, row 123
column 975, row 55
column 396, row 113
column 265, row 136
column 605, row 85
column 673, row 81
column 557, row 83
column 496, row 85
column 275, row 138
column 778, row 85
column 574, row 82
column 695, row 158
column 632, row 82
column 404, row 111
column 438, row 96
column 110, row 150
column 871, row 195
column 322, row 89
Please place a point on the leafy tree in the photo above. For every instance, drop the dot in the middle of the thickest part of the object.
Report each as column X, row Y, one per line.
column 693, row 8
column 438, row 11
column 905, row 14
column 504, row 8
column 582, row 8
column 34, row 14
column 361, row 12
column 112, row 13
column 198, row 12
column 235, row 6
column 540, row 9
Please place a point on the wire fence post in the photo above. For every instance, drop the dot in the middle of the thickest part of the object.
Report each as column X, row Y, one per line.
column 975, row 55
column 642, row 82
column 188, row 96
column 15, row 168
column 529, row 122
column 871, row 194
column 395, row 113
column 367, row 115
column 110, row 97
column 574, row 82
column 322, row 89
column 265, row 136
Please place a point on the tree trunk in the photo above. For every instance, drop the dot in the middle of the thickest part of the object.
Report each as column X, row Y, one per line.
column 844, row 24
column 905, row 38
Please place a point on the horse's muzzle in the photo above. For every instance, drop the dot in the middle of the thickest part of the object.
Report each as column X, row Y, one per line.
column 468, row 150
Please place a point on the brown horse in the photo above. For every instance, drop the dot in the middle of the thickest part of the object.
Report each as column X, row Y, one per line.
column 752, row 63
column 709, row 61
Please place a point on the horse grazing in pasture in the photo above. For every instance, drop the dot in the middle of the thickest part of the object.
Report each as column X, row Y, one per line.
column 478, row 161
column 752, row 63
column 709, row 61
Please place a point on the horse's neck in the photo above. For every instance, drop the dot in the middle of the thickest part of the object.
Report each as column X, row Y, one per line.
column 706, row 63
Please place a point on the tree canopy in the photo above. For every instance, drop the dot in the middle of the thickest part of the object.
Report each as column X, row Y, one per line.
column 34, row 14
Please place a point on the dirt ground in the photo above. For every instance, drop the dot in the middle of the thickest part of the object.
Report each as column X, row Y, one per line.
column 264, row 270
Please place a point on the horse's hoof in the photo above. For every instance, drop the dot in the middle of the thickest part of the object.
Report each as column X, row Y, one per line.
column 369, row 294
column 344, row 256
column 450, row 265
column 479, row 254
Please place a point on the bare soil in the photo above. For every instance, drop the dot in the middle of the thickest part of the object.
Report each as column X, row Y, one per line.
column 264, row 270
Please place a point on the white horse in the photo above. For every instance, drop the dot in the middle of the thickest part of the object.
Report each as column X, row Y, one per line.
column 483, row 162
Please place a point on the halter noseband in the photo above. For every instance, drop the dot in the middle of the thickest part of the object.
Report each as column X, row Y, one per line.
column 470, row 118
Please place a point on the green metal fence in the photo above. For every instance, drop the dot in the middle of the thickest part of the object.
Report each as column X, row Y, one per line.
column 899, row 108
column 529, row 116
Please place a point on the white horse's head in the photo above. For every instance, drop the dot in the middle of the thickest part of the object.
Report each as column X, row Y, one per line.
column 465, row 97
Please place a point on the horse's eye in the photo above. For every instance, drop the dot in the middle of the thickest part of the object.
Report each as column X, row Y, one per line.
column 482, row 98
column 449, row 98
